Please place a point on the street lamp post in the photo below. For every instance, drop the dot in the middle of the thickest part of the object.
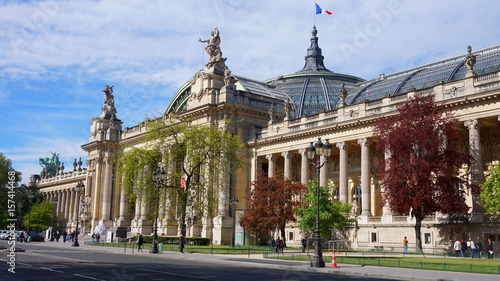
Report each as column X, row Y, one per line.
column 19, row 209
column 318, row 149
column 54, row 204
column 233, row 203
column 79, row 189
column 159, row 178
column 30, row 199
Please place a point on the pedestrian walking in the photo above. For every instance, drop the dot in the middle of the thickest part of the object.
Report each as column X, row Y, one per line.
column 479, row 247
column 405, row 246
column 273, row 245
column 140, row 241
column 304, row 244
column 457, row 247
column 64, row 235
column 93, row 238
column 58, row 235
column 490, row 249
column 181, row 241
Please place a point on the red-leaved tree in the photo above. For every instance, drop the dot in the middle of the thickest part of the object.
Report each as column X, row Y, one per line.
column 421, row 176
column 271, row 204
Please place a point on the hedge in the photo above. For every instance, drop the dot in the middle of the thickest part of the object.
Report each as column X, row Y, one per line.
column 148, row 239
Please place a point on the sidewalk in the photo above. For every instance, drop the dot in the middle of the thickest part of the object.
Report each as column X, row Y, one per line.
column 257, row 260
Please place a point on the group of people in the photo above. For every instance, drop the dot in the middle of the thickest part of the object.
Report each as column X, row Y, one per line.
column 278, row 245
column 472, row 248
column 96, row 237
column 70, row 237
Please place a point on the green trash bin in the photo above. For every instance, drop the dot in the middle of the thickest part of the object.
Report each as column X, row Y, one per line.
column 160, row 248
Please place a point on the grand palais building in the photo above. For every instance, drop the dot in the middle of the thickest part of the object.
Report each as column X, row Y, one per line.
column 279, row 118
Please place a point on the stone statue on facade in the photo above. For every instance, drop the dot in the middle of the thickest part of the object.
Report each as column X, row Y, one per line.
column 470, row 59
column 342, row 94
column 108, row 108
column 288, row 109
column 74, row 165
column 215, row 58
column 80, row 164
column 272, row 113
column 227, row 77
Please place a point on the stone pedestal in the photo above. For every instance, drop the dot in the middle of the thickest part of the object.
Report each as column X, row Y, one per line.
column 387, row 218
column 222, row 230
column 206, row 228
column 363, row 219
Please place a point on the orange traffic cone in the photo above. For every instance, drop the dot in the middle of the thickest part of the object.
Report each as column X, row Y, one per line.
column 334, row 260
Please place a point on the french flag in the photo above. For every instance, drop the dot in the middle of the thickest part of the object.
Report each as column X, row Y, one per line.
column 319, row 10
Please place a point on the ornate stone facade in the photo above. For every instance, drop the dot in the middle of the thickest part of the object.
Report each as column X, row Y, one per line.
column 275, row 141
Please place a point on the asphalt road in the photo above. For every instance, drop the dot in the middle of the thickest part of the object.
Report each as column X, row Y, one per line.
column 41, row 262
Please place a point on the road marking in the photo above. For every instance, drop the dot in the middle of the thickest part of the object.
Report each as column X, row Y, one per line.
column 54, row 270
column 174, row 274
column 88, row 277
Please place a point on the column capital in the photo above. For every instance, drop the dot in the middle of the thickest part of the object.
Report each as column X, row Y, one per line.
column 343, row 145
column 303, row 151
column 286, row 154
column 473, row 124
column 365, row 142
column 270, row 157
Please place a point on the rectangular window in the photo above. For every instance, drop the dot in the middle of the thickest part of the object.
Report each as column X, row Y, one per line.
column 290, row 236
column 427, row 238
column 492, row 238
column 374, row 237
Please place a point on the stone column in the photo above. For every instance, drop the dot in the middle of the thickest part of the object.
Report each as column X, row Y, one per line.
column 304, row 168
column 386, row 210
column 476, row 165
column 122, row 220
column 137, row 207
column 76, row 204
column 270, row 158
column 365, row 175
column 224, row 183
column 62, row 209
column 67, row 206
column 72, row 205
column 287, row 155
column 343, row 170
column 106, row 196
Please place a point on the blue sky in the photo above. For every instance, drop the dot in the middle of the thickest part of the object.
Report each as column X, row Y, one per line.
column 56, row 56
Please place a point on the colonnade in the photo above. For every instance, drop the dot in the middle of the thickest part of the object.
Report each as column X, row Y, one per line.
column 67, row 204
column 367, row 187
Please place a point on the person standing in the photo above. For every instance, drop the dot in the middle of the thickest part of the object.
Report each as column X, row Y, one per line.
column 273, row 245
column 304, row 244
column 472, row 248
column 278, row 245
column 464, row 247
column 58, row 235
column 457, row 247
column 140, row 241
column 65, row 234
column 479, row 247
column 405, row 246
column 490, row 249
column 181, row 240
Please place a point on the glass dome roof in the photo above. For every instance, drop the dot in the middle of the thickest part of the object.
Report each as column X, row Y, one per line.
column 314, row 88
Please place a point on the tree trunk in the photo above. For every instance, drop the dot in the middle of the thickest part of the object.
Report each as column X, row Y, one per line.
column 183, row 201
column 418, row 238
column 283, row 235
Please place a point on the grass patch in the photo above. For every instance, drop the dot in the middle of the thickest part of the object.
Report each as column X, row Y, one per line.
column 443, row 264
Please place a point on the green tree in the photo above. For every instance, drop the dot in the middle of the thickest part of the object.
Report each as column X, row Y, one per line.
column 40, row 215
column 490, row 192
column 9, row 183
column 204, row 155
column 333, row 214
